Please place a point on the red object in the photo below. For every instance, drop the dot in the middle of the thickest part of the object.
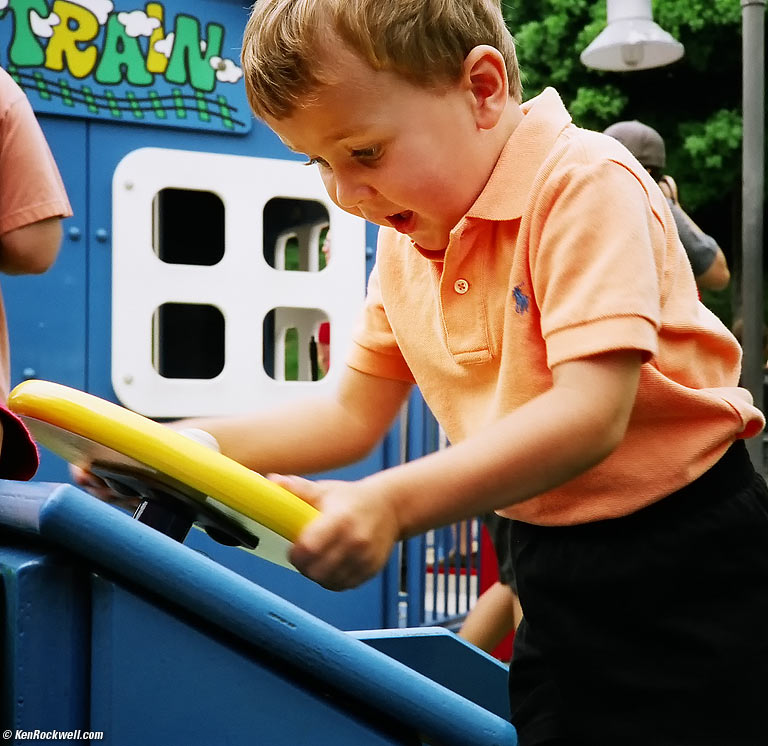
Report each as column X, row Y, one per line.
column 489, row 574
column 324, row 333
column 18, row 453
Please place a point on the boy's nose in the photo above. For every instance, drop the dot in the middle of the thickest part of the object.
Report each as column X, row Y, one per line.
column 351, row 191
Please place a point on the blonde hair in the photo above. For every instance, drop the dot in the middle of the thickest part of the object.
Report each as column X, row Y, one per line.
column 286, row 43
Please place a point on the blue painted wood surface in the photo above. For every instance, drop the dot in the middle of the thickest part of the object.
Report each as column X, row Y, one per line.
column 174, row 585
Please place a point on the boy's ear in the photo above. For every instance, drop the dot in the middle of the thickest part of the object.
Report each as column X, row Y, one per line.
column 485, row 79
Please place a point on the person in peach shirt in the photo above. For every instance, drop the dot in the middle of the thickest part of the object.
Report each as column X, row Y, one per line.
column 32, row 203
column 529, row 279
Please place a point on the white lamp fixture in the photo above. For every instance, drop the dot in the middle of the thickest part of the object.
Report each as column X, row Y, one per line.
column 631, row 40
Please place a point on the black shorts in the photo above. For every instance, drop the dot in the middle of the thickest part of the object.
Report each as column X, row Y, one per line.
column 652, row 629
column 500, row 531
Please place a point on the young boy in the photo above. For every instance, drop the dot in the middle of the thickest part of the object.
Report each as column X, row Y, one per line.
column 530, row 281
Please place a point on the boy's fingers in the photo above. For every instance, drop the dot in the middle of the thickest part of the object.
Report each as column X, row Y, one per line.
column 306, row 489
column 320, row 556
column 83, row 478
column 80, row 476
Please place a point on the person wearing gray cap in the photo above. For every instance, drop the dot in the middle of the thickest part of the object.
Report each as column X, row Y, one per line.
column 708, row 262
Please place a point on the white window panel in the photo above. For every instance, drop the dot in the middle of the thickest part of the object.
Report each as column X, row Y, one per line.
column 241, row 285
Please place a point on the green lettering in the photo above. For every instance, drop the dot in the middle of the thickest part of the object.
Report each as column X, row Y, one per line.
column 187, row 62
column 121, row 55
column 26, row 49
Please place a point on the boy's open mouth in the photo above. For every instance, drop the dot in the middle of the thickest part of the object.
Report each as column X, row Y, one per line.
column 402, row 221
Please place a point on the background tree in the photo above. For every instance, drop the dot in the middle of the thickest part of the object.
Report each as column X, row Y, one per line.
column 695, row 103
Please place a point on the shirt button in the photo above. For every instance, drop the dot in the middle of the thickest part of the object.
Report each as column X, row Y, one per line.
column 461, row 286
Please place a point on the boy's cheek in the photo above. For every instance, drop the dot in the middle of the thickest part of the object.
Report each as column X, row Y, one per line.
column 329, row 183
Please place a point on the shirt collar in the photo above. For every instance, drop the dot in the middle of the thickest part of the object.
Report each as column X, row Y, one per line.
column 507, row 190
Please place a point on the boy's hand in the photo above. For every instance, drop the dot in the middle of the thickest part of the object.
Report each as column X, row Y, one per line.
column 116, row 494
column 97, row 487
column 352, row 539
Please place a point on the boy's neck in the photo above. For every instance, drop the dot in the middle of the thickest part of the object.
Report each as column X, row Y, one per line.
column 510, row 120
column 498, row 137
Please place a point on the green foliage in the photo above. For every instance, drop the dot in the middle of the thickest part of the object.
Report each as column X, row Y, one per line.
column 709, row 161
column 592, row 106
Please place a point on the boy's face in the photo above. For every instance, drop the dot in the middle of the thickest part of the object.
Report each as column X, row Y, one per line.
column 391, row 152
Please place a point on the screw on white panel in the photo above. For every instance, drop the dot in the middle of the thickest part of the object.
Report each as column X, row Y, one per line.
column 128, row 379
column 128, row 185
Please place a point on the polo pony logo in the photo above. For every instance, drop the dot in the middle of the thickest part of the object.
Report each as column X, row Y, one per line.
column 522, row 302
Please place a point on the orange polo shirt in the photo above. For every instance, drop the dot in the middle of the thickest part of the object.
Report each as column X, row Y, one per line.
column 569, row 251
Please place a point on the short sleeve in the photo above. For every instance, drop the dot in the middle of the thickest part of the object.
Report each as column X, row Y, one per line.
column 596, row 264
column 374, row 348
column 41, row 194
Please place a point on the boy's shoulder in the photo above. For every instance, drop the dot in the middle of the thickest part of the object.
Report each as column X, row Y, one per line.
column 547, row 125
column 548, row 148
column 580, row 147
column 582, row 156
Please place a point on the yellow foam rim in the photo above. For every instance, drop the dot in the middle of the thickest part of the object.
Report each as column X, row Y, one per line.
column 166, row 451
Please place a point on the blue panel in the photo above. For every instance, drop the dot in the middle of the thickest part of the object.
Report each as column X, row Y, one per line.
column 46, row 313
column 235, row 607
column 448, row 659
column 157, row 679
column 45, row 640
column 109, row 144
column 360, row 608
column 202, row 634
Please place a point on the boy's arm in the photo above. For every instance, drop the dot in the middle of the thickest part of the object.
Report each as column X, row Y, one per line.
column 549, row 440
column 314, row 434
column 303, row 437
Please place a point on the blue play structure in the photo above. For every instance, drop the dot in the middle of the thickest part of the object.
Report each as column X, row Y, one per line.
column 191, row 281
column 191, row 269
column 114, row 628
column 191, row 263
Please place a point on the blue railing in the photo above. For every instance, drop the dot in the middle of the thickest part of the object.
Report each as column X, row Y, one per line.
column 433, row 579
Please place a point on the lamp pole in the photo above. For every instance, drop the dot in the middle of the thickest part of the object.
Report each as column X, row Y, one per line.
column 753, row 160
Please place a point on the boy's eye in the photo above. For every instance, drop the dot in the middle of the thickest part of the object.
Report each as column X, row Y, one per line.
column 367, row 154
column 317, row 161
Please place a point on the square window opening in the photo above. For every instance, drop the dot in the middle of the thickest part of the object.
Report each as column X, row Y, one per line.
column 296, row 344
column 295, row 235
column 188, row 227
column 188, row 341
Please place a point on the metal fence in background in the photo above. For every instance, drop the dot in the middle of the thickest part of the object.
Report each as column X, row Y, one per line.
column 434, row 578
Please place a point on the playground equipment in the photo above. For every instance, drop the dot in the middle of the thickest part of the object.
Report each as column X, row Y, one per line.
column 191, row 280
column 191, row 265
column 179, row 481
column 113, row 627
